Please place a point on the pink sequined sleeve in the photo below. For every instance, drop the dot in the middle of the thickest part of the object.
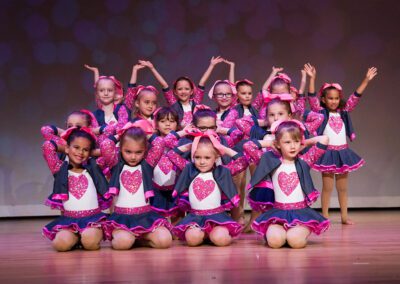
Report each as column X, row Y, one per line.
column 352, row 102
column 198, row 95
column 258, row 101
column 252, row 152
column 230, row 119
column 109, row 152
column 237, row 165
column 171, row 140
column 233, row 137
column 245, row 124
column 156, row 151
column 49, row 133
column 314, row 153
column 314, row 102
column 177, row 159
column 169, row 96
column 123, row 117
column 129, row 95
column 300, row 104
column 49, row 150
column 313, row 121
column 262, row 114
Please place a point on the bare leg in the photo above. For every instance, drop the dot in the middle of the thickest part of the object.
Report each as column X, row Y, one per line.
column 160, row 238
column 122, row 240
column 253, row 216
column 327, row 188
column 342, row 186
column 194, row 237
column 276, row 236
column 91, row 238
column 220, row 236
column 297, row 236
column 65, row 240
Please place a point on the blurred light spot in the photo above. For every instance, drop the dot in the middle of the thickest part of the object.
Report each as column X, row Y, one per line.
column 37, row 26
column 117, row 6
column 5, row 53
column 45, row 52
column 67, row 52
column 65, row 12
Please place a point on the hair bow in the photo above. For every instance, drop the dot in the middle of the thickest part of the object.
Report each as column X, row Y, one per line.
column 212, row 135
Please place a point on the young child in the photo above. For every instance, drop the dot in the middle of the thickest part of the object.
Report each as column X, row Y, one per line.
column 210, row 190
column 291, row 220
column 185, row 95
column 132, row 169
column 78, row 182
column 144, row 102
column 223, row 92
column 339, row 160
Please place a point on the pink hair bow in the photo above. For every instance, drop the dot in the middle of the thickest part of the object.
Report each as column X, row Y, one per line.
column 199, row 107
column 70, row 130
column 281, row 76
column 145, row 125
column 212, row 135
column 244, row 81
column 233, row 88
column 268, row 97
column 328, row 85
column 92, row 117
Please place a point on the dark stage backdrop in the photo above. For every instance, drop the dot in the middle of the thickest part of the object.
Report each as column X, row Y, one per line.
column 44, row 45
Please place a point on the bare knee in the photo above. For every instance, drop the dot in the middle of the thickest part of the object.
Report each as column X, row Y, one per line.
column 297, row 238
column 194, row 237
column 64, row 241
column 276, row 236
column 220, row 236
column 122, row 240
column 161, row 238
column 91, row 238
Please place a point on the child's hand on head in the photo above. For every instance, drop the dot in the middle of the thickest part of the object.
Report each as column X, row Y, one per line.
column 371, row 73
column 216, row 60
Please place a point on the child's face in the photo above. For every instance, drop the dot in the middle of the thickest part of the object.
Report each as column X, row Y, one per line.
column 146, row 103
column 105, row 91
column 76, row 120
column 289, row 146
column 280, row 89
column 205, row 157
column 223, row 95
column 331, row 99
column 78, row 151
column 132, row 151
column 245, row 95
column 183, row 90
column 277, row 111
column 206, row 123
column 166, row 124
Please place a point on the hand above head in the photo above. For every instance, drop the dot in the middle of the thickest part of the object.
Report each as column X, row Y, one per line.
column 231, row 63
column 371, row 73
column 137, row 67
column 91, row 68
column 216, row 60
column 276, row 70
column 310, row 70
column 147, row 64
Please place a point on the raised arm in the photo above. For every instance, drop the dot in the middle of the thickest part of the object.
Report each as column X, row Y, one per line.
column 252, row 151
column 231, row 70
column 312, row 96
column 273, row 73
column 49, row 151
column 313, row 120
column 214, row 61
column 153, row 70
column 96, row 73
column 320, row 145
column 155, row 152
column 176, row 158
column 238, row 163
column 109, row 151
column 51, row 132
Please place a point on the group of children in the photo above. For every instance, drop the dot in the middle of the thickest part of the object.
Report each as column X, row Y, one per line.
column 180, row 170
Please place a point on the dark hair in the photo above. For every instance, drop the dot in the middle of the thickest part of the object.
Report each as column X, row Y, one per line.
column 135, row 133
column 278, row 81
column 242, row 83
column 167, row 112
column 291, row 127
column 324, row 92
column 202, row 113
column 183, row 78
column 88, row 118
column 76, row 133
column 278, row 101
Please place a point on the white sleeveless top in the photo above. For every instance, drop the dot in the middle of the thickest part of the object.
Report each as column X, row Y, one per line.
column 287, row 187
column 131, row 193
column 335, row 130
column 110, row 119
column 82, row 194
column 164, row 173
column 204, row 193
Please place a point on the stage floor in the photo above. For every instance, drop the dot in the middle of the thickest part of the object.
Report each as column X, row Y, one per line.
column 366, row 252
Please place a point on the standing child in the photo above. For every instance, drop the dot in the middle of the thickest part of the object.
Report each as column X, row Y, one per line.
column 339, row 160
column 291, row 220
column 132, row 169
column 78, row 182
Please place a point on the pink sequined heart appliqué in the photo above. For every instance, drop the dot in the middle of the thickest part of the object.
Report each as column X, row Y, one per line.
column 288, row 182
column 131, row 180
column 77, row 186
column 165, row 165
column 202, row 189
column 336, row 123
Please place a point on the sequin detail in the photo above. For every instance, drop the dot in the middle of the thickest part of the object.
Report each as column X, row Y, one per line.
column 208, row 211
column 290, row 206
column 202, row 189
column 77, row 186
column 132, row 211
column 131, row 180
column 156, row 151
column 82, row 213
column 288, row 182
column 338, row 147
column 165, row 165
column 336, row 123
column 187, row 118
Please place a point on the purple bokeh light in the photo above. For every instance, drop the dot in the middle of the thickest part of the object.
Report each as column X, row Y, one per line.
column 45, row 52
column 37, row 26
column 65, row 12
column 6, row 53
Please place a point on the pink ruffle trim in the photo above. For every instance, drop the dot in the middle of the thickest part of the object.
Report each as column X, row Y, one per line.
column 333, row 169
column 314, row 226
column 259, row 206
column 54, row 205
column 234, row 228
column 138, row 231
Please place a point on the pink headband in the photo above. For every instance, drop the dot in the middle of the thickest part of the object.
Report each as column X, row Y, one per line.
column 213, row 138
column 328, row 85
column 199, row 107
column 283, row 97
column 276, row 124
column 70, row 130
column 118, row 85
column 141, row 88
column 233, row 87
column 143, row 124
column 294, row 90
column 281, row 76
column 94, row 120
